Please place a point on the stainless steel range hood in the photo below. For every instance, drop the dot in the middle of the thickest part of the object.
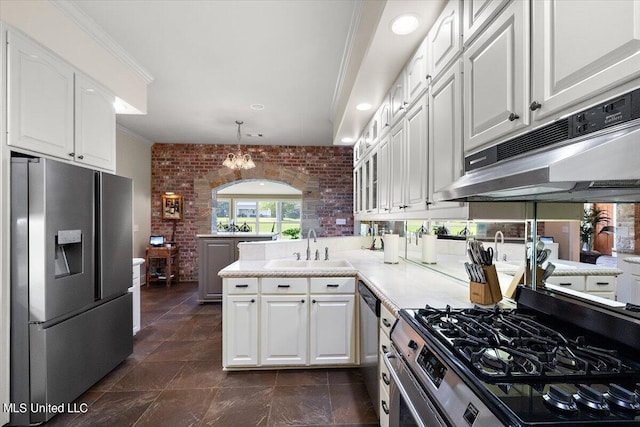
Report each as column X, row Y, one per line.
column 603, row 167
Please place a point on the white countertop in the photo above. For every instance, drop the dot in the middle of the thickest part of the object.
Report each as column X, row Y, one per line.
column 402, row 285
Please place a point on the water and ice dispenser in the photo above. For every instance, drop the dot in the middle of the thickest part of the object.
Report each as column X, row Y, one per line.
column 68, row 253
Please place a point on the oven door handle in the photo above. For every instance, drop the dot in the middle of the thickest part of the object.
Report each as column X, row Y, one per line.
column 401, row 389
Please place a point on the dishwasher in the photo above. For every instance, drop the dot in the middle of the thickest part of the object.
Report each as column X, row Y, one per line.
column 369, row 327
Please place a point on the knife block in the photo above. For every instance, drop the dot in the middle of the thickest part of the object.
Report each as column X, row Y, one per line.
column 486, row 293
column 524, row 274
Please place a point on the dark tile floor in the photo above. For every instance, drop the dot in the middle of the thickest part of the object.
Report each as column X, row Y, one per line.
column 174, row 378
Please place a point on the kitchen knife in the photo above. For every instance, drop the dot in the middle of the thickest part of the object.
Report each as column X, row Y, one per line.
column 547, row 272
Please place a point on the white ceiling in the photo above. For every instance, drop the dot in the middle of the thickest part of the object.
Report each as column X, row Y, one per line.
column 212, row 59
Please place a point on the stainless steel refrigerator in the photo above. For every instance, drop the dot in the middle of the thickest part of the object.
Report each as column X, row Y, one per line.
column 71, row 251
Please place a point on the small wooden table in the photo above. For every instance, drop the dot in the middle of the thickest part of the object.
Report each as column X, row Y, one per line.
column 171, row 257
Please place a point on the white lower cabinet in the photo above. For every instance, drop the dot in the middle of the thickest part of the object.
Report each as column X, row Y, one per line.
column 288, row 321
column 332, row 329
column 240, row 320
column 283, row 330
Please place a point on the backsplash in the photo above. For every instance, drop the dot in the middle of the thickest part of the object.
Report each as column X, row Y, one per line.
column 323, row 174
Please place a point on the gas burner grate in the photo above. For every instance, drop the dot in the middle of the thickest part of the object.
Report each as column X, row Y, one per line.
column 499, row 344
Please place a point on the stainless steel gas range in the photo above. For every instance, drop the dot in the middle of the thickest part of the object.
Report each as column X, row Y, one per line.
column 548, row 362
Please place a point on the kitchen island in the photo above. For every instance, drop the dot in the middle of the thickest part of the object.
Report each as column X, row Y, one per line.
column 215, row 251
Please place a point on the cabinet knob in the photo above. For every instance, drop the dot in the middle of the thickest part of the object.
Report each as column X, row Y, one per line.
column 312, row 301
column 81, row 157
column 513, row 116
column 385, row 378
column 385, row 407
column 72, row 154
column 253, row 300
column 302, row 301
column 534, row 106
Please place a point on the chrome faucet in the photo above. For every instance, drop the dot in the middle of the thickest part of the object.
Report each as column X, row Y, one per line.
column 315, row 239
column 297, row 254
column 495, row 245
column 326, row 253
column 317, row 254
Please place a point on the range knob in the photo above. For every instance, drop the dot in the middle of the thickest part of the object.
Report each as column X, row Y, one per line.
column 621, row 398
column 413, row 345
column 560, row 400
column 591, row 398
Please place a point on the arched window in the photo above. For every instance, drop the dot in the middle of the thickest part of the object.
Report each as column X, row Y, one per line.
column 257, row 206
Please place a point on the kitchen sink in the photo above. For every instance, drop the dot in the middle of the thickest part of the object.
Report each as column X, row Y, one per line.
column 288, row 264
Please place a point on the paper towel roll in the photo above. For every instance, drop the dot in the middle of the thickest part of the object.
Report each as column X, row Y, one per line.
column 429, row 248
column 391, row 248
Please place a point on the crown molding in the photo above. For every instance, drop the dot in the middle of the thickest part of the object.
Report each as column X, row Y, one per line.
column 89, row 26
column 356, row 17
column 133, row 134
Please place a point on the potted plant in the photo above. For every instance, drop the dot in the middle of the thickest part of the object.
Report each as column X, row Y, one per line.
column 590, row 220
column 293, row 233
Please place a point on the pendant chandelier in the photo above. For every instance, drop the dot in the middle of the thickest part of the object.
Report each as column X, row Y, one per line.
column 238, row 160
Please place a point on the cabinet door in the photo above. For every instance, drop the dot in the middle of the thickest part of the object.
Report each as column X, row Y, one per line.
column 476, row 14
column 496, row 78
column 445, row 132
column 332, row 329
column 579, row 52
column 240, row 328
column 95, row 124
column 417, row 159
column 214, row 255
column 384, row 116
column 373, row 178
column 383, row 175
column 40, row 99
column 366, row 184
column 357, row 190
column 444, row 38
column 417, row 73
column 284, row 330
column 397, row 172
column 398, row 98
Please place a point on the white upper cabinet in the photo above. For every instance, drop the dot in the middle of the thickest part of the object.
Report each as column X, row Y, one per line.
column 408, row 147
column 496, row 78
column 40, row 99
column 383, row 175
column 396, row 172
column 581, row 50
column 476, row 14
column 95, row 127
column 445, row 131
column 384, row 116
column 398, row 98
column 444, row 38
column 416, row 162
column 55, row 110
column 417, row 72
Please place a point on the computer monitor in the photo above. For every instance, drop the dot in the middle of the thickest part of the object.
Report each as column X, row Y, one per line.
column 156, row 240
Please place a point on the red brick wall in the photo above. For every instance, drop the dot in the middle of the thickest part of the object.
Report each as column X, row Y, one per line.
column 175, row 167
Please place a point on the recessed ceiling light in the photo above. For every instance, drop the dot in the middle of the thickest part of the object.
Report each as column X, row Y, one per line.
column 405, row 24
column 257, row 107
column 363, row 106
column 347, row 140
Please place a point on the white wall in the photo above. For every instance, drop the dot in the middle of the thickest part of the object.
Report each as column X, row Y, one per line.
column 133, row 160
column 4, row 242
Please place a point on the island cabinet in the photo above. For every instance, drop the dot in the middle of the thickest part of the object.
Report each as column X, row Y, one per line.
column 288, row 321
column 215, row 252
